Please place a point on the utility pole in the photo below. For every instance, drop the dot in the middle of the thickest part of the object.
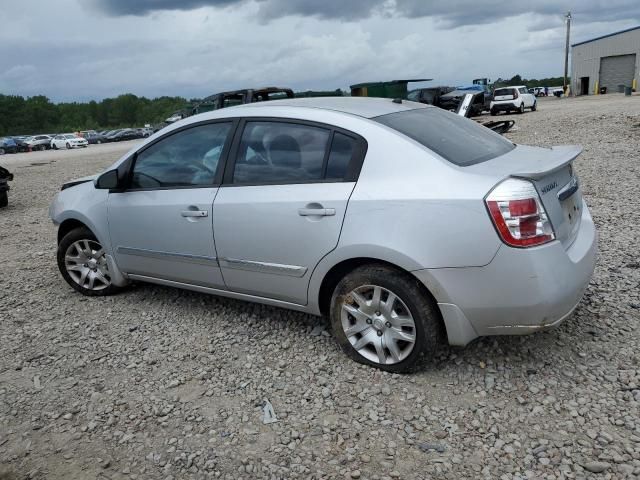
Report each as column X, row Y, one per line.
column 566, row 52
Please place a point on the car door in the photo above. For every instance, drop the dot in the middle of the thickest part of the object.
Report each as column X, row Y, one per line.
column 160, row 225
column 281, row 206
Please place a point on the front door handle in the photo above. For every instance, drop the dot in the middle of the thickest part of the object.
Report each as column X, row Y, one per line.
column 194, row 213
column 316, row 212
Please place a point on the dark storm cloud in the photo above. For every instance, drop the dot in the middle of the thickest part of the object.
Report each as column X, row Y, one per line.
column 455, row 13
column 142, row 7
column 452, row 13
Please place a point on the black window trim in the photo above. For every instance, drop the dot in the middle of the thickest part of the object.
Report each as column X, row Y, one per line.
column 353, row 170
column 130, row 162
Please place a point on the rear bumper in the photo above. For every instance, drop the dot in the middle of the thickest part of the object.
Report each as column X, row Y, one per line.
column 501, row 107
column 521, row 291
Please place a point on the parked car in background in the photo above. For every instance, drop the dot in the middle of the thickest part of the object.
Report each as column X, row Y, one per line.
column 93, row 137
column 403, row 223
column 68, row 140
column 507, row 99
column 125, row 134
column 39, row 142
column 21, row 144
column 144, row 132
column 7, row 145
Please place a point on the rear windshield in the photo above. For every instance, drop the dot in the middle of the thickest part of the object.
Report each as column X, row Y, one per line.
column 503, row 91
column 459, row 140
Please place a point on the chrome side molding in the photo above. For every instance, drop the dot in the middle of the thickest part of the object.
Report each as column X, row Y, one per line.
column 180, row 257
column 263, row 267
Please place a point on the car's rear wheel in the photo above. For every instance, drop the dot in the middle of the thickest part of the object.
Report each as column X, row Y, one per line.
column 383, row 318
column 534, row 107
column 42, row 148
column 83, row 264
column 521, row 109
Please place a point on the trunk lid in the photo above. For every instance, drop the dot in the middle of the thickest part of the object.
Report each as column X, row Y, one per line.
column 551, row 171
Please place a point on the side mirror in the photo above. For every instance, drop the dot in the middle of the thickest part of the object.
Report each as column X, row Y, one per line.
column 108, row 180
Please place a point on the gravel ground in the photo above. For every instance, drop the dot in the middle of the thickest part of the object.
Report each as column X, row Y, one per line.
column 162, row 383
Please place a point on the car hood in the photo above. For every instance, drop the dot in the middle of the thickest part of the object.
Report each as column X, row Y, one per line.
column 78, row 181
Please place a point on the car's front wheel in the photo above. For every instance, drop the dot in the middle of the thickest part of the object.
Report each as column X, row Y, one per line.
column 54, row 146
column 83, row 264
column 534, row 106
column 42, row 148
column 68, row 145
column 383, row 317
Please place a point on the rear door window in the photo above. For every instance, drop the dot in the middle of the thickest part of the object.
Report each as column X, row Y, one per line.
column 280, row 152
column 456, row 139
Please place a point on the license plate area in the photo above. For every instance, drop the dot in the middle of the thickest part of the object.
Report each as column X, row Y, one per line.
column 572, row 210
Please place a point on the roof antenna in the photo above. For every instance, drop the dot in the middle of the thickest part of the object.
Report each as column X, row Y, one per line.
column 397, row 100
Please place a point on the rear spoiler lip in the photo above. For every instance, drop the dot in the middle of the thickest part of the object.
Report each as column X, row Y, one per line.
column 557, row 158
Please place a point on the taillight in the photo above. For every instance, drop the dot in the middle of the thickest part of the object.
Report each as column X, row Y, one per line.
column 519, row 216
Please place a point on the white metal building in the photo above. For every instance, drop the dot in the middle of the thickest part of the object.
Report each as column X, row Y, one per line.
column 607, row 61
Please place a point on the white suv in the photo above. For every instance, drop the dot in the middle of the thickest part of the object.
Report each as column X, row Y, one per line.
column 512, row 98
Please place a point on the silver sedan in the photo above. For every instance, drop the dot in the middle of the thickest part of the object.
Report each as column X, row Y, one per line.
column 404, row 224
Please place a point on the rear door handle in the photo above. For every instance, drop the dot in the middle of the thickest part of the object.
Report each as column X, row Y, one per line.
column 194, row 213
column 316, row 212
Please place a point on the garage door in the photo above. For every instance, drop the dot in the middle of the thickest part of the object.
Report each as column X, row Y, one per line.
column 617, row 70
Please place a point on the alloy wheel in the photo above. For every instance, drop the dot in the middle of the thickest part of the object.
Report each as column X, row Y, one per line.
column 86, row 264
column 378, row 324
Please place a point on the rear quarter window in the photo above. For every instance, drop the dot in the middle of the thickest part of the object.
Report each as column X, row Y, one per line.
column 458, row 140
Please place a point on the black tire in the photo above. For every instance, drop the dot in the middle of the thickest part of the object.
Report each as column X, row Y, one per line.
column 429, row 333
column 2, row 152
column 493, row 112
column 521, row 108
column 534, row 107
column 68, row 146
column 4, row 199
column 54, row 146
column 79, row 234
column 42, row 148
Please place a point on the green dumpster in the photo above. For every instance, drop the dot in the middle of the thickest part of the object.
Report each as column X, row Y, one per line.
column 390, row 89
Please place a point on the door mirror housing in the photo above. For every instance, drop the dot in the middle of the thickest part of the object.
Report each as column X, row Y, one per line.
column 108, row 180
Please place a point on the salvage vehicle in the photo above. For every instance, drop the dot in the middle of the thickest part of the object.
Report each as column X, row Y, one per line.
column 429, row 95
column 39, row 142
column 5, row 177
column 403, row 223
column 7, row 145
column 68, row 140
column 241, row 97
column 451, row 100
column 21, row 144
column 506, row 99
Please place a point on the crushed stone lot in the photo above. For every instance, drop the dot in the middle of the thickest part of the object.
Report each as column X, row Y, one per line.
column 162, row 383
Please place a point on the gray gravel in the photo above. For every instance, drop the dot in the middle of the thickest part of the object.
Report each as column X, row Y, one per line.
column 163, row 383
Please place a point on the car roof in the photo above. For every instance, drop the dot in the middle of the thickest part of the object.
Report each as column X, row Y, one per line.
column 361, row 106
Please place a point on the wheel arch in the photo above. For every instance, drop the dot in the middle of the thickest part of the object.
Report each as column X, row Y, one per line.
column 333, row 276
column 70, row 224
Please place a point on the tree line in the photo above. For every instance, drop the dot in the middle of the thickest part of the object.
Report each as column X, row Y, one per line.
column 37, row 114
column 531, row 82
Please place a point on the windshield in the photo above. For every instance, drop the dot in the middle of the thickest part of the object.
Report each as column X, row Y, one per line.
column 456, row 139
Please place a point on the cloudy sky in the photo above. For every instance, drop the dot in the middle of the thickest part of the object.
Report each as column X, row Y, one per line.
column 91, row 49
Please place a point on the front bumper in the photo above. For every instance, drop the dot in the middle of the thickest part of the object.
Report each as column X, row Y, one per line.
column 521, row 291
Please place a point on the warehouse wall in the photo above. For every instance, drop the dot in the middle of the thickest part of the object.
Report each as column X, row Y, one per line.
column 585, row 58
